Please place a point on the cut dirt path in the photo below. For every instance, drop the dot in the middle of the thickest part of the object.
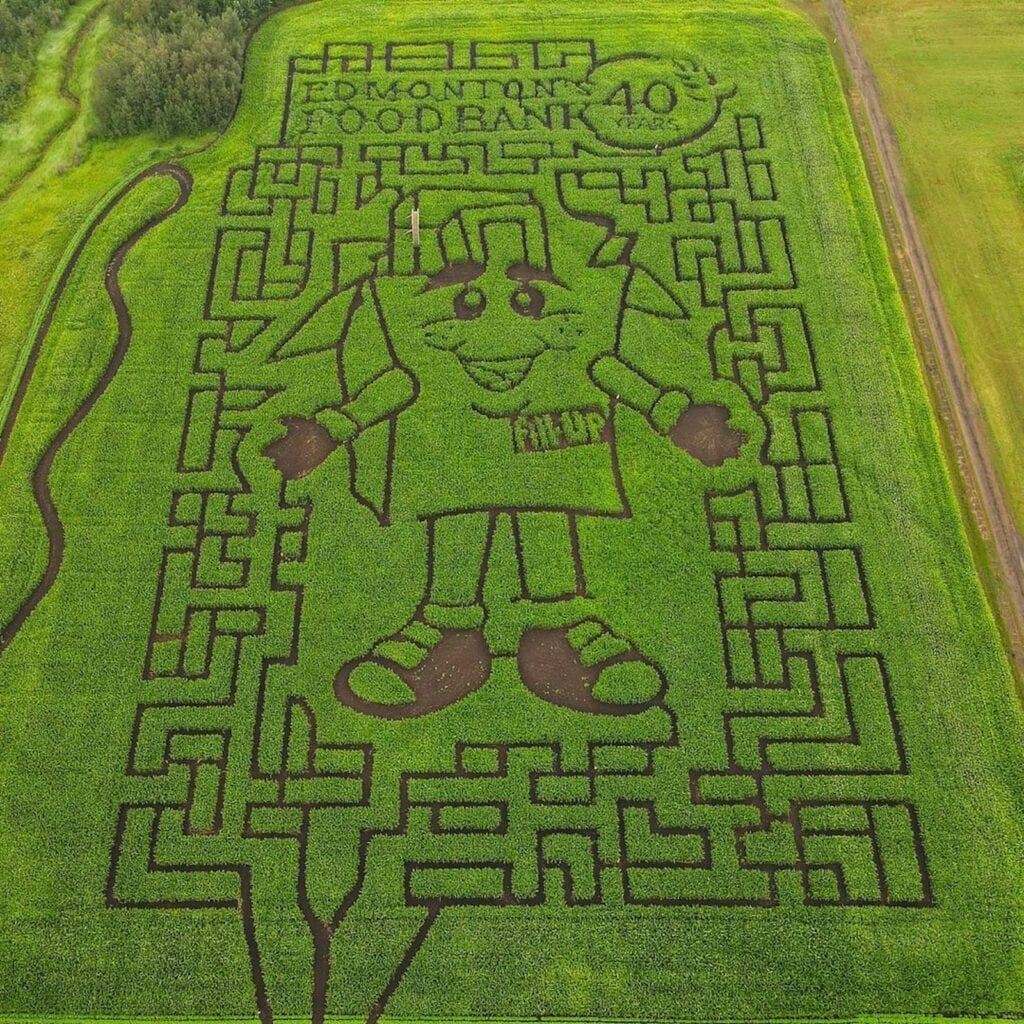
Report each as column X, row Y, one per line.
column 941, row 347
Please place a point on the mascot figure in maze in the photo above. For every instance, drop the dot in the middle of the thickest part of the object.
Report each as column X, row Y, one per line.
column 481, row 375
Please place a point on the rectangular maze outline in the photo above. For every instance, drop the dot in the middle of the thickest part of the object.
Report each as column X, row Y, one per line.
column 201, row 648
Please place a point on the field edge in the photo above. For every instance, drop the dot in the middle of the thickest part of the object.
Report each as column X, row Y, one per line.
column 388, row 1019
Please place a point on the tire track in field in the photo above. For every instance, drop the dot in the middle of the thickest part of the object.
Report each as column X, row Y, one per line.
column 41, row 474
column 64, row 90
column 944, row 361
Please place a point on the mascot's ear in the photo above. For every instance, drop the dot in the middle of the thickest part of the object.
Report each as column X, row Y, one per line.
column 650, row 296
column 318, row 331
column 365, row 349
column 613, row 251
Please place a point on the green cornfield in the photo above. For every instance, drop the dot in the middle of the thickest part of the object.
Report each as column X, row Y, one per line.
column 476, row 546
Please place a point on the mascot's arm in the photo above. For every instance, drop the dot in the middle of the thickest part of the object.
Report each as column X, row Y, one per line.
column 661, row 406
column 384, row 396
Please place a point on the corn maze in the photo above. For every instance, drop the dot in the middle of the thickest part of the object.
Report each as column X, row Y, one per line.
column 509, row 573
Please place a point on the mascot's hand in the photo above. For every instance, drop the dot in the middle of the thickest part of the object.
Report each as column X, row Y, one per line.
column 304, row 445
column 702, row 431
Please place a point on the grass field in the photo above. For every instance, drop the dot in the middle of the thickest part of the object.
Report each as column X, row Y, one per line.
column 952, row 74
column 476, row 546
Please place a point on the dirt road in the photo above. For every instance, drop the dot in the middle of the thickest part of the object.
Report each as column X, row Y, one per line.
column 943, row 359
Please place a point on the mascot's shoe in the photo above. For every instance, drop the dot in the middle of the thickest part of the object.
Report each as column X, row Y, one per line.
column 589, row 668
column 421, row 668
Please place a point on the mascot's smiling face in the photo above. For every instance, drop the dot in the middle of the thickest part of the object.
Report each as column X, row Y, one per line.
column 504, row 301
column 500, row 317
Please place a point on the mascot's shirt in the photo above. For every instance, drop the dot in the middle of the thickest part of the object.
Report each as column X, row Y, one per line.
column 544, row 442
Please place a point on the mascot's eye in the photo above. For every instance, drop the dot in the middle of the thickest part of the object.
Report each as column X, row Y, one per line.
column 528, row 301
column 469, row 303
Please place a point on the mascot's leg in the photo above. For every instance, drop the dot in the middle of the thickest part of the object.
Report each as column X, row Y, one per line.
column 582, row 664
column 550, row 564
column 457, row 549
column 439, row 656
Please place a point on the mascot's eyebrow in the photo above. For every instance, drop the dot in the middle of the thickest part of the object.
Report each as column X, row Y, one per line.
column 524, row 273
column 454, row 273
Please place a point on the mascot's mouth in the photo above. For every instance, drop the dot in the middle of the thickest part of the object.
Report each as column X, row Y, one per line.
column 498, row 374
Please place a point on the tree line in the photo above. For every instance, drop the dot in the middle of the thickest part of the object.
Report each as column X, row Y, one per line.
column 173, row 66
column 170, row 66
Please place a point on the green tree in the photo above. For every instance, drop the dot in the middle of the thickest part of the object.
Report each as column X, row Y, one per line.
column 169, row 68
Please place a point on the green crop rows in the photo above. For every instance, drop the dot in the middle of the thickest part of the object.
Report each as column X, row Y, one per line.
column 477, row 547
